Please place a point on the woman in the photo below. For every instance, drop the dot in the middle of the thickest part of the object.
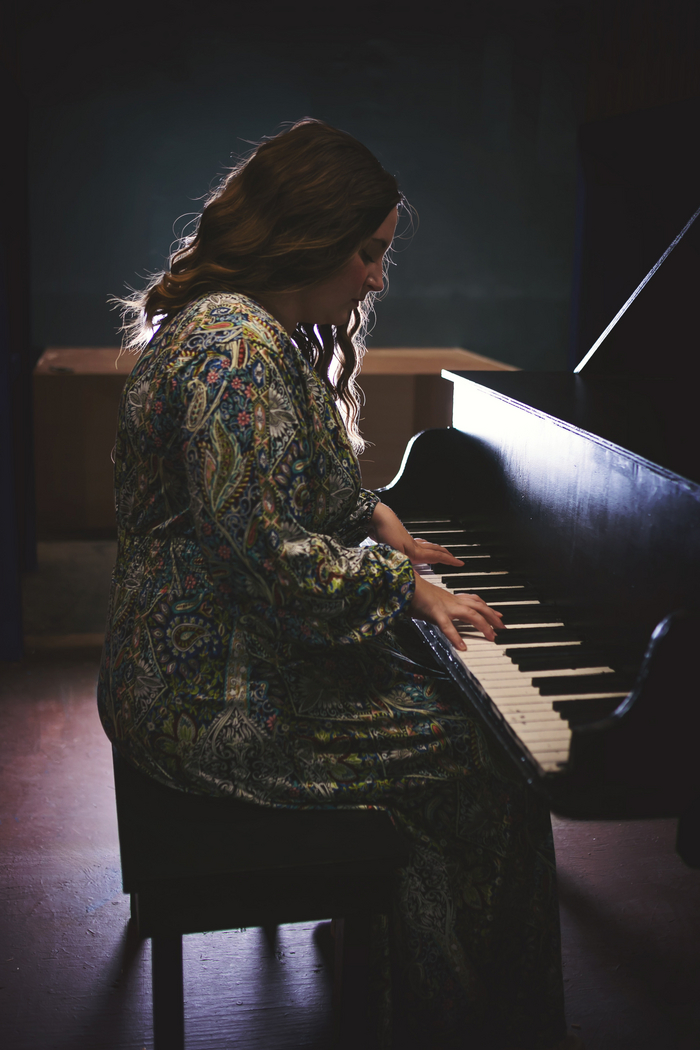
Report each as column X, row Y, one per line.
column 255, row 648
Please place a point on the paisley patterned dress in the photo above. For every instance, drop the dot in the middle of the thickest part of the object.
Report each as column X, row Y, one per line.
column 256, row 648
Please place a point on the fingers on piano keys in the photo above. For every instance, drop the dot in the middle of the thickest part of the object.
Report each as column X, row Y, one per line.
column 533, row 686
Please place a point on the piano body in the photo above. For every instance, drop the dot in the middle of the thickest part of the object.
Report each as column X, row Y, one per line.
column 591, row 552
column 574, row 500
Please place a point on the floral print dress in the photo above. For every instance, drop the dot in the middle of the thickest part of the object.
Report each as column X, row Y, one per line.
column 256, row 648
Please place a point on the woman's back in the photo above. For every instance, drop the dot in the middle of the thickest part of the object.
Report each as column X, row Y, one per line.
column 237, row 490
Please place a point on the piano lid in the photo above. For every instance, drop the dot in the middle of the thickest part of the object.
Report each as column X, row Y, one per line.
column 637, row 338
column 655, row 417
column 637, row 269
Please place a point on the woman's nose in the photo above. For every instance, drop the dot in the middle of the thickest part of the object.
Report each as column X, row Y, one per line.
column 375, row 277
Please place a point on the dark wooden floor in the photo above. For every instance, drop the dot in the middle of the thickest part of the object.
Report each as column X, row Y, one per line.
column 72, row 979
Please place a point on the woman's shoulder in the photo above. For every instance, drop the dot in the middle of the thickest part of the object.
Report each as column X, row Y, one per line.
column 223, row 317
column 213, row 337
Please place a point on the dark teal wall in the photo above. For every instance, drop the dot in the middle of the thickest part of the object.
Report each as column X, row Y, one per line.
column 478, row 125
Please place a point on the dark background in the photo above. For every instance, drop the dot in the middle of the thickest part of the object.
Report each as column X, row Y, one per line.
column 135, row 111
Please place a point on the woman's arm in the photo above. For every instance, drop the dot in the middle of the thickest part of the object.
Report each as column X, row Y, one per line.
column 257, row 503
column 435, row 604
column 385, row 527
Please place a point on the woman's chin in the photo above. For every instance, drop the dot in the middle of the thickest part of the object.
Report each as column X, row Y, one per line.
column 338, row 319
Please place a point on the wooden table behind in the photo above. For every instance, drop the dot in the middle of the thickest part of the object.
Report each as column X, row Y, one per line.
column 76, row 399
column 404, row 394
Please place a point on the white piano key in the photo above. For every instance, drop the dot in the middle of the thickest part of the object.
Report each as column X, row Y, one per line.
column 493, row 654
column 515, row 626
column 524, row 707
column 500, row 666
column 501, row 587
column 540, row 743
column 464, row 557
column 509, row 692
column 503, row 683
column 566, row 671
column 498, row 605
column 490, row 665
column 554, row 763
column 532, row 717
column 424, row 533
column 518, row 645
column 472, row 641
column 555, row 673
column 542, row 754
column 609, row 695
column 543, row 734
column 503, row 680
column 505, row 690
column 436, row 578
column 538, row 734
column 537, row 720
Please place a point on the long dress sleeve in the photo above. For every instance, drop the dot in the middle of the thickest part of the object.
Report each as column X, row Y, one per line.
column 275, row 499
column 356, row 526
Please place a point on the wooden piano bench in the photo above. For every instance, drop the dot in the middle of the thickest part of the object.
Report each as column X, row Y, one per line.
column 195, row 863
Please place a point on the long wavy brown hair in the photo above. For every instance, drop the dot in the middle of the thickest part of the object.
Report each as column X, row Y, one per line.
column 290, row 214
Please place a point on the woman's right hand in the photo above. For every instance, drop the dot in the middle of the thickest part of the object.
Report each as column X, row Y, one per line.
column 441, row 607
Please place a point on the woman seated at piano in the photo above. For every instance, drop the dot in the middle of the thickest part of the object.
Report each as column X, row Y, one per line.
column 259, row 645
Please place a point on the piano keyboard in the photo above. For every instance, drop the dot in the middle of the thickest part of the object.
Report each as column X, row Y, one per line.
column 538, row 701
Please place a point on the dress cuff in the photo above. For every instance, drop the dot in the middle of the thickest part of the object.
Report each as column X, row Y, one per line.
column 356, row 528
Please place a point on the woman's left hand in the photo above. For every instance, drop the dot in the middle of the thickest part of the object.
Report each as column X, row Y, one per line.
column 385, row 527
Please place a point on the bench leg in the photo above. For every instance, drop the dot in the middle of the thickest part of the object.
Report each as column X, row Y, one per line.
column 168, row 1004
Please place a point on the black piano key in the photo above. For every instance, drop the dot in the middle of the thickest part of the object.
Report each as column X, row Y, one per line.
column 493, row 593
column 584, row 683
column 445, row 539
column 583, row 712
column 470, row 577
column 529, row 660
column 530, row 614
column 471, row 564
column 478, row 521
column 548, row 658
column 474, row 536
column 413, row 524
column 462, row 538
column 461, row 549
column 490, row 540
column 512, row 636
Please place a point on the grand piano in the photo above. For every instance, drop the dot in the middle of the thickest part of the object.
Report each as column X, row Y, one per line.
column 574, row 501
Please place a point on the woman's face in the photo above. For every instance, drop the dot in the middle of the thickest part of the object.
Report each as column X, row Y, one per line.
column 332, row 301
